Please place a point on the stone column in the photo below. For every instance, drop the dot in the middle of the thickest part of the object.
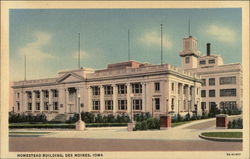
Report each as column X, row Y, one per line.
column 144, row 97
column 33, row 101
column 41, row 100
column 89, row 98
column 102, row 102
column 129, row 91
column 115, row 102
column 181, row 98
column 50, row 100
column 66, row 100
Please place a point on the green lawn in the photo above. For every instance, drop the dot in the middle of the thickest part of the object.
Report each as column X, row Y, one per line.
column 179, row 123
column 223, row 134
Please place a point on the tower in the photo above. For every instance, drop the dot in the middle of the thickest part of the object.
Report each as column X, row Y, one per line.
column 190, row 53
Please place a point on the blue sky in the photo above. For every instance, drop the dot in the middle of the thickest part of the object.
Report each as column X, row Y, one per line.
column 49, row 38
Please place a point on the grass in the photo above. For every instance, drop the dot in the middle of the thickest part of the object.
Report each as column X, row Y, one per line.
column 179, row 123
column 223, row 134
column 61, row 125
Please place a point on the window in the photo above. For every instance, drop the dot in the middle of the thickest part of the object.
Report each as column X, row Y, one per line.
column 211, row 81
column 228, row 80
column 37, row 106
column 172, row 104
column 187, row 59
column 157, row 103
column 46, row 106
column 179, row 89
column 17, row 95
column 55, row 105
column 211, row 61
column 108, row 90
column 136, row 88
column 228, row 92
column 203, row 82
column 46, row 94
column 203, row 106
column 228, row 104
column 108, row 105
column 157, row 86
column 55, row 93
column 96, row 90
column 212, row 93
column 122, row 104
column 29, row 95
column 203, row 93
column 202, row 62
column 18, row 106
column 122, row 89
column 29, row 106
column 172, row 87
column 96, row 105
column 137, row 104
column 37, row 94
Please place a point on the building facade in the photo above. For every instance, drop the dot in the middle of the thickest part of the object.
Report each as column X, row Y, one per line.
column 124, row 87
column 221, row 83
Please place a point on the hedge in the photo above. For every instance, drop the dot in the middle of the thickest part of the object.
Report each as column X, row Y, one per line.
column 61, row 126
column 151, row 123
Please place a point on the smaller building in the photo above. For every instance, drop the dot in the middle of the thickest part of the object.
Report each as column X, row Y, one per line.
column 221, row 83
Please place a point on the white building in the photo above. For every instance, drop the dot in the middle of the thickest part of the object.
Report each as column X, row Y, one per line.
column 158, row 89
column 221, row 83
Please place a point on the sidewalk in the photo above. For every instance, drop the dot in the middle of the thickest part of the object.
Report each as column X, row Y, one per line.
column 183, row 132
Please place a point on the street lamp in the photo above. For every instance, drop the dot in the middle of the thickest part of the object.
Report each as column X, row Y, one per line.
column 80, row 125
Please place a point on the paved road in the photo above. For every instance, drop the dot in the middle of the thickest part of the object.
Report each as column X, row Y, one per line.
column 182, row 138
column 34, row 144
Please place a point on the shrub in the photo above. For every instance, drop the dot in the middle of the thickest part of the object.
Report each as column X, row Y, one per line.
column 235, row 124
column 187, row 117
column 151, row 123
column 18, row 118
column 139, row 117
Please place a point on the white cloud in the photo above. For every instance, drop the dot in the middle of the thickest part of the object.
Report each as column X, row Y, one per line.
column 222, row 33
column 34, row 50
column 154, row 39
column 83, row 54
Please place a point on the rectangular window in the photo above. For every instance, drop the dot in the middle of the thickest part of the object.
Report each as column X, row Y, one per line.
column 172, row 104
column 108, row 90
column 187, row 59
column 157, row 86
column 136, row 88
column 212, row 93
column 29, row 106
column 96, row 90
column 157, row 103
column 38, row 95
column 228, row 80
column 17, row 95
column 203, row 106
column 203, row 82
column 212, row 61
column 202, row 62
column 122, row 89
column 46, row 94
column 37, row 106
column 108, row 105
column 172, row 87
column 55, row 93
column 55, row 105
column 122, row 104
column 29, row 95
column 137, row 104
column 228, row 92
column 203, row 93
column 179, row 89
column 211, row 81
column 96, row 105
column 18, row 106
column 46, row 106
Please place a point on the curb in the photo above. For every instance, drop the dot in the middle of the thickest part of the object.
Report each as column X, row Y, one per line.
column 221, row 139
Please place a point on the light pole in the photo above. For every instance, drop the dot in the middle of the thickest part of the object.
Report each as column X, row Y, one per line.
column 80, row 125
